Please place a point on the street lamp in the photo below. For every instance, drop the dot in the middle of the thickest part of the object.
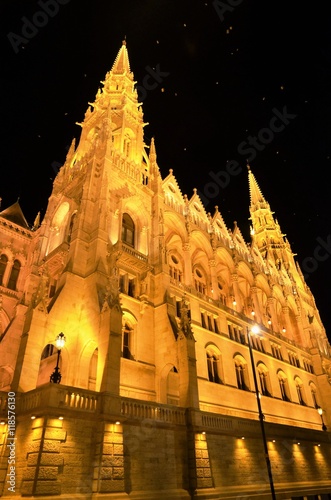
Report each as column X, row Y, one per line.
column 320, row 412
column 56, row 376
column 256, row 330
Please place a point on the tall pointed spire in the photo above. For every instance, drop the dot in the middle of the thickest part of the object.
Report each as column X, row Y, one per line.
column 266, row 230
column 255, row 192
column 152, row 151
column 122, row 64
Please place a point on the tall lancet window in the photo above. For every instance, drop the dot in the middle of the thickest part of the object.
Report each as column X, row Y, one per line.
column 128, row 230
column 3, row 265
column 12, row 282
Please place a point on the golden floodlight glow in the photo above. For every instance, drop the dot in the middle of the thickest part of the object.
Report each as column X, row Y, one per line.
column 255, row 330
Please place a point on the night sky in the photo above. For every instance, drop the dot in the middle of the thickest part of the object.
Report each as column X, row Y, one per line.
column 225, row 73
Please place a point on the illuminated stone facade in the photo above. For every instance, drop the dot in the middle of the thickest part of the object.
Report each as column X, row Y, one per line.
column 156, row 299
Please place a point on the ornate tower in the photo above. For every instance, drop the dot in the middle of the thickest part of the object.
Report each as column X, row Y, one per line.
column 97, row 220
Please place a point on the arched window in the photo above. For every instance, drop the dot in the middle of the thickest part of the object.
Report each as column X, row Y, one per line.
column 283, row 384
column 127, row 342
column 313, row 390
column 128, row 230
column 300, row 391
column 214, row 366
column 48, row 351
column 200, row 281
column 47, row 364
column 58, row 227
column 241, row 373
column 12, row 282
column 175, row 269
column 3, row 265
column 264, row 379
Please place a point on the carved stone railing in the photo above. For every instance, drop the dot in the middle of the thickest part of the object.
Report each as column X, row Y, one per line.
column 132, row 408
column 55, row 397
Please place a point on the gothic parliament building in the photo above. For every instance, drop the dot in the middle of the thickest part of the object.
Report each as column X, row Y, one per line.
column 146, row 350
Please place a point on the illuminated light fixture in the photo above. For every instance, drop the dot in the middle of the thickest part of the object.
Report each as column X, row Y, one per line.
column 2, row 422
column 255, row 329
column 56, row 375
column 203, row 432
column 298, row 444
column 243, row 437
column 234, row 303
column 284, row 330
column 253, row 313
column 318, row 444
column 274, row 440
column 269, row 321
column 60, row 417
column 117, row 422
column 320, row 412
column 33, row 417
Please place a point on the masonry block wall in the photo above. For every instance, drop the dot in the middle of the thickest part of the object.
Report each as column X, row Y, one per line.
column 148, row 458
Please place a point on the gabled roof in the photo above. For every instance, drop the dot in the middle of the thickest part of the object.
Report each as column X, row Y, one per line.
column 14, row 214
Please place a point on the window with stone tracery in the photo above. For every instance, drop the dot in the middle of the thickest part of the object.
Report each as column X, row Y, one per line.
column 300, row 391
column 175, row 269
column 264, row 379
column 214, row 366
column 200, row 281
column 284, row 387
column 241, row 373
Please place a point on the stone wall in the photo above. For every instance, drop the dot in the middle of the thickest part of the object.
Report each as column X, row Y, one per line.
column 149, row 451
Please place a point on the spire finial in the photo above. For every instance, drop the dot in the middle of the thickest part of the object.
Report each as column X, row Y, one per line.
column 248, row 166
column 124, row 40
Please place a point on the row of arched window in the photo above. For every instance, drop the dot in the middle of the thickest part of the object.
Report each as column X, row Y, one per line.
column 215, row 374
column 9, row 272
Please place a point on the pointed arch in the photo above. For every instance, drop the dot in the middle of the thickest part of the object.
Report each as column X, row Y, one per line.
column 241, row 369
column 169, row 385
column 58, row 226
column 14, row 275
column 215, row 370
column 3, row 267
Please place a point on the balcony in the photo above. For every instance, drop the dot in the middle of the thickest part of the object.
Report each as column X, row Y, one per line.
column 131, row 259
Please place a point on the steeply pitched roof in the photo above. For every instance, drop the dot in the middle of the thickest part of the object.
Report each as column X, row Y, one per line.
column 14, row 214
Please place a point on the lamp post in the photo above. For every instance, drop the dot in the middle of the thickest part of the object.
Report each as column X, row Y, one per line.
column 255, row 330
column 320, row 412
column 56, row 376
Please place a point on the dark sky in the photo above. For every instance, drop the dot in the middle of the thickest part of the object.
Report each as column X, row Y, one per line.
column 225, row 71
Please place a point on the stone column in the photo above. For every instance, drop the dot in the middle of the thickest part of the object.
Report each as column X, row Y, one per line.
column 214, row 281
column 187, row 264
column 237, row 297
column 287, row 325
column 187, row 369
column 256, row 305
column 110, row 349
